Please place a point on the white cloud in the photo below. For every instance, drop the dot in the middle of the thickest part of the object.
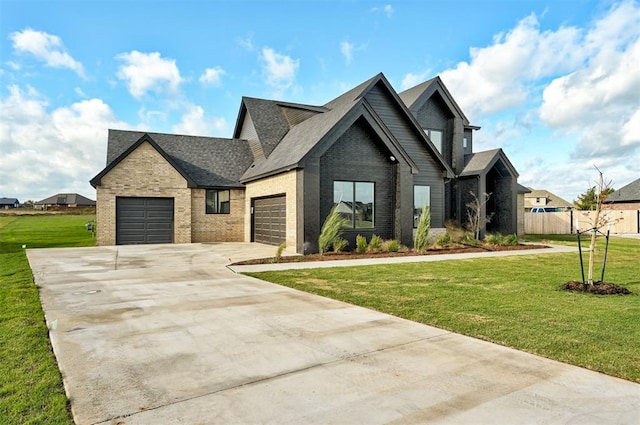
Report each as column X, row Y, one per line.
column 212, row 76
column 599, row 101
column 194, row 122
column 346, row 49
column 47, row 48
column 502, row 75
column 145, row 72
column 46, row 152
column 387, row 9
column 246, row 43
column 412, row 80
column 278, row 70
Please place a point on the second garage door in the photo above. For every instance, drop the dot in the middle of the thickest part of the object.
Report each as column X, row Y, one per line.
column 269, row 220
column 144, row 220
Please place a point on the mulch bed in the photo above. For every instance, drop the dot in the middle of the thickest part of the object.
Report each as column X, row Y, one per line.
column 331, row 256
column 599, row 288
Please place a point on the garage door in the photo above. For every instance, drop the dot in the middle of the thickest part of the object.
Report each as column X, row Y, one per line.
column 269, row 220
column 144, row 220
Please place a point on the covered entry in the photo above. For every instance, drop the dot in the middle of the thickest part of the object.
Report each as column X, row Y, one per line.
column 144, row 220
column 269, row 220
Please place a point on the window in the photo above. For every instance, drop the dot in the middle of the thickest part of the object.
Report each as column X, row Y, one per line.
column 355, row 203
column 218, row 202
column 465, row 142
column 436, row 137
column 421, row 199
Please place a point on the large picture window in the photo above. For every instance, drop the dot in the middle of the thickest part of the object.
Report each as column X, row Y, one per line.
column 421, row 199
column 218, row 202
column 355, row 203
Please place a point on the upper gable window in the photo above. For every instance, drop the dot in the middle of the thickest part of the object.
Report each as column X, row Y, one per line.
column 218, row 202
column 436, row 137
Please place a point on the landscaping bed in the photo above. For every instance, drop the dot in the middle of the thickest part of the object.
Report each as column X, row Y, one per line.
column 598, row 288
column 331, row 256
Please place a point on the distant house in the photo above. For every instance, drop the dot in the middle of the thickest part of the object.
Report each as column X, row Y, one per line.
column 65, row 201
column 625, row 198
column 379, row 155
column 6, row 203
column 544, row 198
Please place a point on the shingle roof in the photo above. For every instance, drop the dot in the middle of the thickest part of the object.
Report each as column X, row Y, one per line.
column 413, row 97
column 481, row 162
column 66, row 199
column 523, row 189
column 628, row 193
column 8, row 201
column 207, row 161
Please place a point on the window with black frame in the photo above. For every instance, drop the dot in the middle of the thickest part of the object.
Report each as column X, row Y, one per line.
column 218, row 201
column 355, row 202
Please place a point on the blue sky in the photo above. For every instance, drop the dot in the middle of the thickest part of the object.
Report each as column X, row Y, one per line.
column 555, row 84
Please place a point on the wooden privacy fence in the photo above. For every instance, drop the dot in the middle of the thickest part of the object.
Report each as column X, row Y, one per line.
column 564, row 223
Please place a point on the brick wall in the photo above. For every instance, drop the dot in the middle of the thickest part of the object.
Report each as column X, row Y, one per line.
column 284, row 183
column 217, row 227
column 144, row 173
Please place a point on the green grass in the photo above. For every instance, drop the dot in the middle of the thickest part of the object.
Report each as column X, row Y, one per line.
column 513, row 301
column 31, row 390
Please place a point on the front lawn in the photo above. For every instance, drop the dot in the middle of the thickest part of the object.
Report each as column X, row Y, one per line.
column 31, row 390
column 513, row 301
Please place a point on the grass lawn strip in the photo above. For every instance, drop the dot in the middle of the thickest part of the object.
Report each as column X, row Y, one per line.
column 513, row 301
column 31, row 390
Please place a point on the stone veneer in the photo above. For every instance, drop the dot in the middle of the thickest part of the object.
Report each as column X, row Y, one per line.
column 285, row 183
column 217, row 227
column 143, row 173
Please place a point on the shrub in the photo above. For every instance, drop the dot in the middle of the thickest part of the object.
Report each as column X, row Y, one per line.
column 391, row 246
column 443, row 240
column 278, row 256
column 375, row 244
column 331, row 230
column 361, row 244
column 494, row 239
column 467, row 239
column 511, row 239
column 340, row 244
column 455, row 232
column 421, row 242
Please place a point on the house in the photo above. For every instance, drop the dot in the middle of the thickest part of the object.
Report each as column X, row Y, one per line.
column 62, row 201
column 6, row 203
column 625, row 198
column 544, row 198
column 381, row 156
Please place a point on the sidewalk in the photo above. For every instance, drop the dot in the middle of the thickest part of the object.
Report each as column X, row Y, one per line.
column 553, row 249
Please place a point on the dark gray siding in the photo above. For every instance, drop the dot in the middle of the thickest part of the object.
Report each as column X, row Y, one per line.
column 434, row 115
column 430, row 172
column 357, row 156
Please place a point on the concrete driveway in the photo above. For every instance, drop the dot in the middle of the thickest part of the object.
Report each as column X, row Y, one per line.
column 166, row 334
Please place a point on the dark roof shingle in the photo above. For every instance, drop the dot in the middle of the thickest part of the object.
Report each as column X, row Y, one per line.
column 628, row 193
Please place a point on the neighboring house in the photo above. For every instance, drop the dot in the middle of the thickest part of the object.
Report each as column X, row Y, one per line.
column 64, row 201
column 544, row 198
column 6, row 203
column 625, row 198
column 379, row 155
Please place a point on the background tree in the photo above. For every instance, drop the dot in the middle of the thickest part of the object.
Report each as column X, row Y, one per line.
column 475, row 220
column 587, row 201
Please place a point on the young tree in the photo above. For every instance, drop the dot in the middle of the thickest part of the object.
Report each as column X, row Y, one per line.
column 475, row 220
column 601, row 191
